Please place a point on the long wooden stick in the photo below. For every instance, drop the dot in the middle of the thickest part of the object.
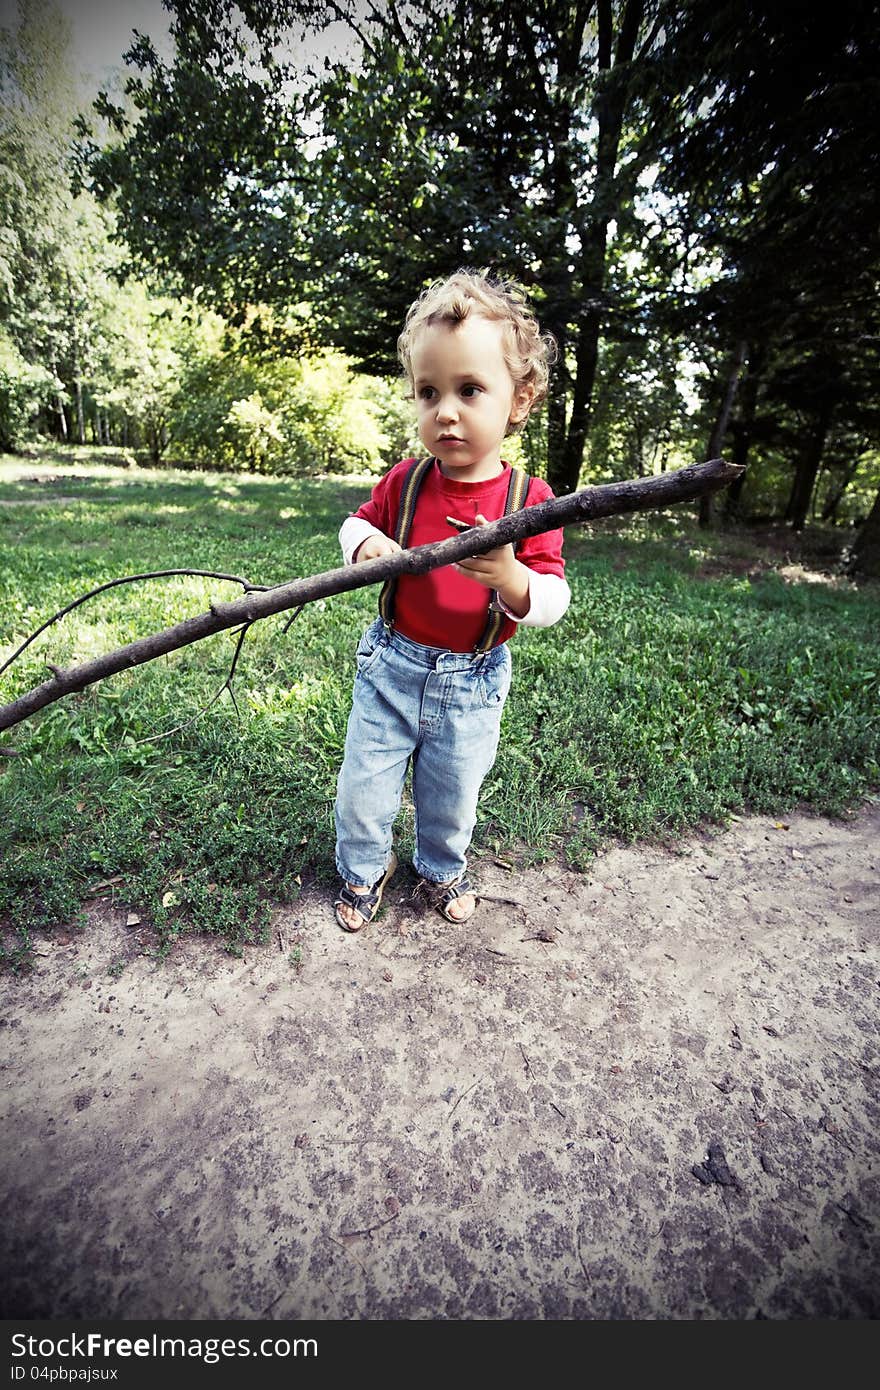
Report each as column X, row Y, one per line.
column 640, row 494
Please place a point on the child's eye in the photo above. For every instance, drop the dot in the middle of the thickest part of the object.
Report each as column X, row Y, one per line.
column 470, row 390
column 425, row 393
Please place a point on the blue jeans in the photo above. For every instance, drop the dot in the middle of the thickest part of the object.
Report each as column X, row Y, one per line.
column 442, row 709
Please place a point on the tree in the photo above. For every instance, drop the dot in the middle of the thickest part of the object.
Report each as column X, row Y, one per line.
column 519, row 139
column 59, row 273
column 472, row 133
column 865, row 557
column 36, row 110
column 776, row 174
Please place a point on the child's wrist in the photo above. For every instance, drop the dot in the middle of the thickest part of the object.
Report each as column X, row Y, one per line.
column 514, row 593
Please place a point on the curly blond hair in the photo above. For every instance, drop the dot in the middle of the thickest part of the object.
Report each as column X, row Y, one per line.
column 528, row 352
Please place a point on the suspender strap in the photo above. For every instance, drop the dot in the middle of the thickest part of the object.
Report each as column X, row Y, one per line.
column 405, row 513
column 517, row 492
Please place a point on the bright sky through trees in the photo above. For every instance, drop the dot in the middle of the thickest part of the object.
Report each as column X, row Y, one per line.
column 101, row 30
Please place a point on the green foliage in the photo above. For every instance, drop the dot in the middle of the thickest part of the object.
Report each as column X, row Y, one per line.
column 64, row 315
column 641, row 424
column 667, row 179
column 283, row 414
column 83, row 344
column 23, row 387
column 664, row 698
column 486, row 136
column 767, row 166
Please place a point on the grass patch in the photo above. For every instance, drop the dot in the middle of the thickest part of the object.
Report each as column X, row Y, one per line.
column 665, row 698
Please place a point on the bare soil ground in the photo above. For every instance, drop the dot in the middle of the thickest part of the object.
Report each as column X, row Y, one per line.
column 647, row 1092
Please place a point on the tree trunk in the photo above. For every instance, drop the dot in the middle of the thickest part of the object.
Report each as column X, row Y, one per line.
column 80, row 417
column 719, row 429
column 586, row 359
column 741, row 444
column 609, row 110
column 808, row 469
column 865, row 557
column 154, row 437
column 557, row 405
column 59, row 408
column 77, row 366
column 743, row 429
column 829, row 511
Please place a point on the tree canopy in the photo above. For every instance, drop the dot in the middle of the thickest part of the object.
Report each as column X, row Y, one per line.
column 542, row 141
column 687, row 190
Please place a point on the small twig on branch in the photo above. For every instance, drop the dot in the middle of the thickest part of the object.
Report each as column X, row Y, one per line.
column 114, row 583
column 593, row 503
column 227, row 685
column 292, row 619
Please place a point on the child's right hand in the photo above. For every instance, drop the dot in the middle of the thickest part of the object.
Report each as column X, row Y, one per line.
column 373, row 547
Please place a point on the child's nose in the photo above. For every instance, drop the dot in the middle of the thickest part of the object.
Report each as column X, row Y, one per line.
column 446, row 408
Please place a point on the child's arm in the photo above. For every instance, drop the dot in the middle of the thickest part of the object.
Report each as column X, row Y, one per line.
column 549, row 597
column 526, row 595
column 365, row 534
column 361, row 540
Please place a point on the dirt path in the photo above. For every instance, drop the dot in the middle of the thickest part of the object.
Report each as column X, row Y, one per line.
column 669, row 1112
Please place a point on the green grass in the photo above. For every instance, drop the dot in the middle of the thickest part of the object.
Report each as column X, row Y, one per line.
column 663, row 699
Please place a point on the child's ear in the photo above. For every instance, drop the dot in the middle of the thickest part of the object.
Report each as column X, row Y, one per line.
column 522, row 402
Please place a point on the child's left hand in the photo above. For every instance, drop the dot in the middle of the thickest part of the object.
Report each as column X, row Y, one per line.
column 496, row 569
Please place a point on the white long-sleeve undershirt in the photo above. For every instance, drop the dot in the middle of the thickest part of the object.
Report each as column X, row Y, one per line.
column 549, row 594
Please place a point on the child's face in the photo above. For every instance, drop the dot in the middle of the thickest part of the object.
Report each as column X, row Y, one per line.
column 465, row 395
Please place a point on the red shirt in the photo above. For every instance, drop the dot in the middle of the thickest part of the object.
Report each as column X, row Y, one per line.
column 443, row 608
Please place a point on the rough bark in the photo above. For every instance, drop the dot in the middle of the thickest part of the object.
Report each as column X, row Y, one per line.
column 743, row 429
column 76, row 366
column 591, row 504
column 59, row 407
column 557, row 402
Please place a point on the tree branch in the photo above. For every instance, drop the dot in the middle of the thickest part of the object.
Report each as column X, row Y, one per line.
column 639, row 494
column 346, row 17
column 399, row 30
column 113, row 584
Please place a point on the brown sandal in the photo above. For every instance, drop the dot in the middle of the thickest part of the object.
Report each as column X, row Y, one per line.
column 440, row 895
column 367, row 904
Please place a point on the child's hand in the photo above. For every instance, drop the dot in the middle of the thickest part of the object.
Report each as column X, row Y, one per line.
column 496, row 569
column 499, row 569
column 373, row 547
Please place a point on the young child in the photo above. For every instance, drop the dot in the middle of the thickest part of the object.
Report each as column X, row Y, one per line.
column 433, row 672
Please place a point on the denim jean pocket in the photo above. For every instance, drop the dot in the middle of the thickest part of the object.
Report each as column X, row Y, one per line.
column 368, row 649
column 495, row 683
